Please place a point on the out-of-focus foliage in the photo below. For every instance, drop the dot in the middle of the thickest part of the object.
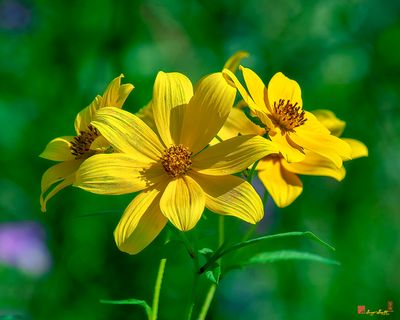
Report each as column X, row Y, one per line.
column 56, row 56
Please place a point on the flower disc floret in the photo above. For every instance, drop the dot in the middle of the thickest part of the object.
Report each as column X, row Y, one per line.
column 287, row 116
column 177, row 160
column 80, row 145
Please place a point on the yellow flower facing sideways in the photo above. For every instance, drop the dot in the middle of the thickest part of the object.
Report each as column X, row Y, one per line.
column 280, row 109
column 71, row 151
column 178, row 173
column 278, row 175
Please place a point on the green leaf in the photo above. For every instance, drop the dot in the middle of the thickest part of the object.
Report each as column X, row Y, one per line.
column 141, row 303
column 214, row 273
column 221, row 251
column 284, row 255
column 307, row 234
column 207, row 252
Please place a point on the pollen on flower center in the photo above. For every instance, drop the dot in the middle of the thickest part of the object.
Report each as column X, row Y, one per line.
column 176, row 160
column 287, row 116
column 80, row 146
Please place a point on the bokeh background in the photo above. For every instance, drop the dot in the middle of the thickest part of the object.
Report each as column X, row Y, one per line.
column 56, row 56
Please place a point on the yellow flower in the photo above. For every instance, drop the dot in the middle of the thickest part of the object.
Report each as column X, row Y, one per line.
column 280, row 109
column 175, row 170
column 71, row 151
column 278, row 175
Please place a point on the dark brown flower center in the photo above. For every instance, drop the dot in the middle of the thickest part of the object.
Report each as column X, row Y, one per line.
column 287, row 116
column 80, row 145
column 176, row 160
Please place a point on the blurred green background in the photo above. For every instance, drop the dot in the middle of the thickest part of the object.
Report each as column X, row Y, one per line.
column 56, row 56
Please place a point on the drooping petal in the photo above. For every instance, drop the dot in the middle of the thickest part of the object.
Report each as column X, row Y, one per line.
column 61, row 171
column 117, row 173
column 128, row 134
column 172, row 92
column 183, row 202
column 58, row 149
column 69, row 180
column 233, row 155
column 257, row 89
column 330, row 121
column 315, row 165
column 233, row 62
column 290, row 151
column 207, row 111
column 230, row 195
column 283, row 186
column 141, row 222
column 324, row 144
column 116, row 94
column 358, row 149
column 281, row 87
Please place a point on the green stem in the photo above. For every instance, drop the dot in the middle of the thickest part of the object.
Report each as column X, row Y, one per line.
column 193, row 296
column 221, row 230
column 213, row 288
column 250, row 232
column 193, row 254
column 265, row 198
column 189, row 247
column 157, row 289
column 207, row 302
column 252, row 170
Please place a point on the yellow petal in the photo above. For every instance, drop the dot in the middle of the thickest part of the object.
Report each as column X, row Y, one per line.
column 100, row 144
column 65, row 183
column 289, row 150
column 237, row 123
column 146, row 114
column 358, row 149
column 172, row 92
column 257, row 89
column 283, row 186
column 86, row 115
column 128, row 134
column 233, row 80
column 230, row 195
column 324, row 144
column 281, row 87
column 233, row 155
column 315, row 165
column 312, row 124
column 207, row 111
column 233, row 62
column 117, row 173
column 330, row 121
column 183, row 202
column 263, row 116
column 141, row 222
column 116, row 94
column 58, row 149
column 61, row 171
